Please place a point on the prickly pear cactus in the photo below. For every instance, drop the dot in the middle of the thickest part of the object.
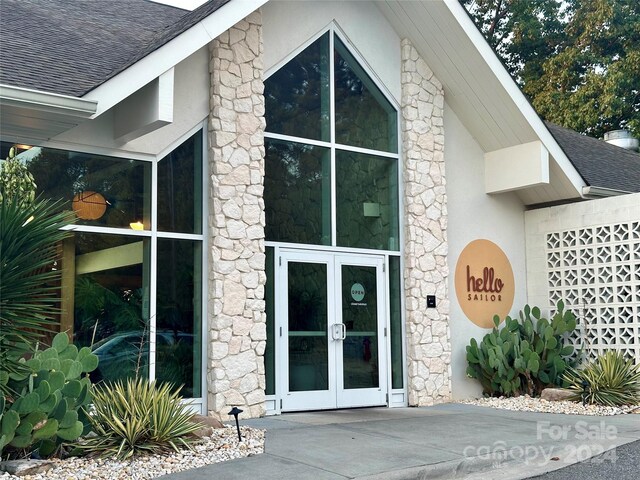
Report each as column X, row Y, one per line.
column 47, row 410
column 525, row 355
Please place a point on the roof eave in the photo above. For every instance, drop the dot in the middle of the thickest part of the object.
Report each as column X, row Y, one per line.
column 47, row 102
column 520, row 100
column 592, row 192
column 34, row 115
column 170, row 54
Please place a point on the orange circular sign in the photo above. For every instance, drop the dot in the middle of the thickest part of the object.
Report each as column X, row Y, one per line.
column 89, row 205
column 484, row 282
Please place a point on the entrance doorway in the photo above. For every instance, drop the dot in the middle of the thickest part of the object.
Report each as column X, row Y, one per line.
column 332, row 330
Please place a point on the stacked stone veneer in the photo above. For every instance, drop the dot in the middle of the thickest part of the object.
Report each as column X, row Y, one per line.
column 425, row 209
column 237, row 329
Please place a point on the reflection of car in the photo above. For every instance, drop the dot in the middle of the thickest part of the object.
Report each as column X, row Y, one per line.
column 120, row 354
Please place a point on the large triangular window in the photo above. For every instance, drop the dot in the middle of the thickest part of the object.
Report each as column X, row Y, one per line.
column 331, row 152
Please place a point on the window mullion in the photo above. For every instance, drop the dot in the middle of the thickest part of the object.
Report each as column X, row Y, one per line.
column 153, row 270
column 332, row 129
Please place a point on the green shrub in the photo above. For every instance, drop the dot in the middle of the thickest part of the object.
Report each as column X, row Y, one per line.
column 46, row 409
column 525, row 355
column 610, row 380
column 138, row 416
column 29, row 296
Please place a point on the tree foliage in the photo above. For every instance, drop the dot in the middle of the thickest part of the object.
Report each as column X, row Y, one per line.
column 578, row 61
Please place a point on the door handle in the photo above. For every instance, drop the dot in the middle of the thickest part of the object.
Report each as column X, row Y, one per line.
column 338, row 331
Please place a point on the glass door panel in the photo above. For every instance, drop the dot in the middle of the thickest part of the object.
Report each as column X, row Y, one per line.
column 305, row 311
column 361, row 357
column 360, row 317
column 308, row 341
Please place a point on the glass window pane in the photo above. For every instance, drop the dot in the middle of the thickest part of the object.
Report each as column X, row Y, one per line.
column 308, row 342
column 367, row 201
column 297, row 95
column 178, row 318
column 180, row 188
column 395, row 288
column 104, row 191
column 270, row 299
column 111, row 301
column 364, row 117
column 297, row 189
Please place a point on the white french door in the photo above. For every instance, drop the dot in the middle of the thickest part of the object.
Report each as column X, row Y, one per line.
column 332, row 324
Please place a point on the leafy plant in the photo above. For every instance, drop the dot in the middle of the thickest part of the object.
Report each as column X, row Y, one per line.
column 525, row 355
column 610, row 380
column 138, row 416
column 16, row 182
column 29, row 295
column 47, row 410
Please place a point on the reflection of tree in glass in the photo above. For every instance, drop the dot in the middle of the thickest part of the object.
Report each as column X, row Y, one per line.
column 297, row 95
column 363, row 116
column 60, row 175
column 178, row 336
column 296, row 192
column 107, row 310
column 179, row 202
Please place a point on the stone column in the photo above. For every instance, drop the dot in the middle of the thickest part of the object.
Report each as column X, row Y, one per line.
column 425, row 250
column 237, row 328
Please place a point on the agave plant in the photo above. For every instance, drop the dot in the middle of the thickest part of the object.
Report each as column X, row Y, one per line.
column 610, row 379
column 29, row 297
column 138, row 416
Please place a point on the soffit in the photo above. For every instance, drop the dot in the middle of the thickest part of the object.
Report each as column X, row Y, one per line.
column 478, row 87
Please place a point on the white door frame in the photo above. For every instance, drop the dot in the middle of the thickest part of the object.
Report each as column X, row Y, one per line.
column 362, row 397
column 334, row 396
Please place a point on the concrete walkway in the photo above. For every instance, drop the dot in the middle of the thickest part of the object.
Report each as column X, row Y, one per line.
column 445, row 441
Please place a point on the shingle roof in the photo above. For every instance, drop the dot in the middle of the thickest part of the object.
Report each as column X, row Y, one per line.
column 70, row 47
column 600, row 163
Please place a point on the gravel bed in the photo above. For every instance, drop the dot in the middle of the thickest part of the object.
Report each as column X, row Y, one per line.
column 221, row 446
column 526, row 403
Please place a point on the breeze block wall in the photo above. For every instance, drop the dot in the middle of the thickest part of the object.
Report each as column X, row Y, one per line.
column 587, row 254
column 425, row 249
column 237, row 328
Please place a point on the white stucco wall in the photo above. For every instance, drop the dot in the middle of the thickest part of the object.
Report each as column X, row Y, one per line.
column 473, row 215
column 288, row 25
column 191, row 107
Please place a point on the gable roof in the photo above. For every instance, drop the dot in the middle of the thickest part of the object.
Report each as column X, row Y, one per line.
column 68, row 47
column 601, row 164
column 104, row 51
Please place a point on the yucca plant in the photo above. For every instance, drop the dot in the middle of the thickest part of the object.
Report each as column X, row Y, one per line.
column 29, row 295
column 611, row 380
column 138, row 416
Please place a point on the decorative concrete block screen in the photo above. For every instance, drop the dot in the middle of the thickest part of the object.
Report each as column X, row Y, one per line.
column 591, row 254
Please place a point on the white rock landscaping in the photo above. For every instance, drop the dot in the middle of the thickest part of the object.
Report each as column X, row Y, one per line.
column 526, row 403
column 222, row 445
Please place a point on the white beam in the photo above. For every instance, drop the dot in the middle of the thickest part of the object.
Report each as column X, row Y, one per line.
column 146, row 110
column 115, row 257
column 516, row 167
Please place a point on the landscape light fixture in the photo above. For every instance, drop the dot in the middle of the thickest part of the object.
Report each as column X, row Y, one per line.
column 585, row 388
column 235, row 411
